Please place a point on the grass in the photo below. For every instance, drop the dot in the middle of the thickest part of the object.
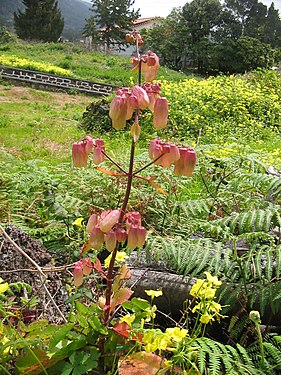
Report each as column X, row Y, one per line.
column 38, row 124
column 80, row 62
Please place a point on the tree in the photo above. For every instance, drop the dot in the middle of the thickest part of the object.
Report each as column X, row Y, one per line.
column 255, row 22
column 170, row 39
column 241, row 10
column 272, row 28
column 41, row 20
column 113, row 19
column 202, row 18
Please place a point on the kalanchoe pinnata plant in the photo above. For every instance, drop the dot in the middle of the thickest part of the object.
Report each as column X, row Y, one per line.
column 112, row 228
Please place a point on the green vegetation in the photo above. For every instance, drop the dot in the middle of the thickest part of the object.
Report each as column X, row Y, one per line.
column 74, row 61
column 230, row 37
column 223, row 221
column 40, row 20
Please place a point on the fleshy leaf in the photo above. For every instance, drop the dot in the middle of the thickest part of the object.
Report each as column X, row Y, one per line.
column 156, row 186
column 106, row 171
column 122, row 295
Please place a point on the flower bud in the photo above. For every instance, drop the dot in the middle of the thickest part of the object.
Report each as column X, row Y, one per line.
column 160, row 113
column 118, row 112
column 92, row 222
column 96, row 239
column 79, row 154
column 184, row 166
column 110, row 240
column 121, row 235
column 78, row 274
column 108, row 222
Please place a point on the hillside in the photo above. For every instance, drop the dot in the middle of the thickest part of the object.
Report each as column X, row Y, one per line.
column 74, row 12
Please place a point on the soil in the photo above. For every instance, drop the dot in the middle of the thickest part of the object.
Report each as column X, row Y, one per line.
column 17, row 268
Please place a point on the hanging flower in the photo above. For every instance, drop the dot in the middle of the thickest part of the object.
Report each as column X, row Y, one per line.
column 96, row 239
column 108, row 220
column 110, row 240
column 98, row 154
column 79, row 154
column 118, row 111
column 141, row 95
column 78, row 274
column 185, row 165
column 160, row 118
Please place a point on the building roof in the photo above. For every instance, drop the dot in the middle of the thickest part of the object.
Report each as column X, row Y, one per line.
column 143, row 21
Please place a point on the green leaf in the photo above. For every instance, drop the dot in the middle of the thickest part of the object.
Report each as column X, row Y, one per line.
column 60, row 334
column 38, row 324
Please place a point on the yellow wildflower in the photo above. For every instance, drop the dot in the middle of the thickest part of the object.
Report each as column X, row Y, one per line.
column 128, row 319
column 121, row 256
column 78, row 222
column 213, row 279
column 176, row 334
column 154, row 293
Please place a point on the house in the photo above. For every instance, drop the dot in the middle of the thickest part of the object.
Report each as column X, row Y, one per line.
column 139, row 24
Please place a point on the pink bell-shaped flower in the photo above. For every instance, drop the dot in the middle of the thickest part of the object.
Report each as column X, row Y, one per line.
column 141, row 96
column 185, row 165
column 110, row 240
column 132, row 242
column 141, row 236
column 152, row 99
column 109, row 220
column 121, row 235
column 78, row 273
column 89, row 143
column 92, row 222
column 150, row 68
column 171, row 155
column 98, row 154
column 87, row 266
column 155, row 150
column 118, row 111
column 136, row 237
column 79, row 154
column 160, row 118
column 96, row 239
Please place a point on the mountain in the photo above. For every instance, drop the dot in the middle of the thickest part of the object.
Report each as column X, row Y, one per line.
column 74, row 12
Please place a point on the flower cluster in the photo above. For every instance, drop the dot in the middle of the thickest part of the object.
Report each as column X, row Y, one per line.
column 149, row 65
column 82, row 149
column 104, row 228
column 128, row 100
column 205, row 291
column 133, row 37
column 155, row 339
column 165, row 153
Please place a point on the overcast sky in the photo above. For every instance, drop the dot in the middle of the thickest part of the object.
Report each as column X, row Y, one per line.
column 161, row 8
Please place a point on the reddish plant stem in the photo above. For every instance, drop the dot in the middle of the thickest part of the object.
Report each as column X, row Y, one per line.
column 113, row 162
column 130, row 175
column 148, row 165
column 109, row 275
